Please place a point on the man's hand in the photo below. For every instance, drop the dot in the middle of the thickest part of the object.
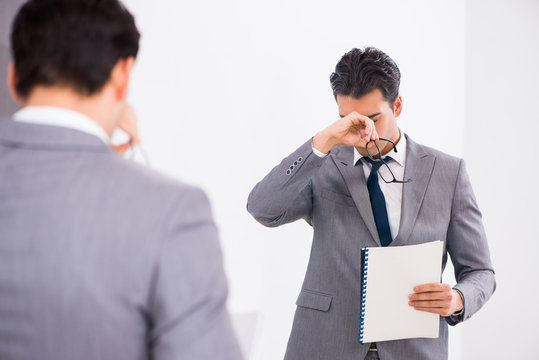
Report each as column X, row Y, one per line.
column 128, row 123
column 353, row 130
column 438, row 299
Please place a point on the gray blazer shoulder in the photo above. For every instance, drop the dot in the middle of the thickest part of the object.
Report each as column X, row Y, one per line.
column 126, row 262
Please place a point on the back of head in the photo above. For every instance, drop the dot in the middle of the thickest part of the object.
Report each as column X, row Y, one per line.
column 361, row 71
column 73, row 43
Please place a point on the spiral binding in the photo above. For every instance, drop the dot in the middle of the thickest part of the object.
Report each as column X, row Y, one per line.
column 363, row 293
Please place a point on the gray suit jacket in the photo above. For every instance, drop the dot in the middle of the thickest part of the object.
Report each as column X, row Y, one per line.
column 101, row 258
column 331, row 195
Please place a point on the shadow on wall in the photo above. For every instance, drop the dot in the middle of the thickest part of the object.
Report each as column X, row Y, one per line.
column 7, row 105
column 8, row 8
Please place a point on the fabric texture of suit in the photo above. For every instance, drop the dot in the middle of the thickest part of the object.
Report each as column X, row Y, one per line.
column 331, row 195
column 101, row 258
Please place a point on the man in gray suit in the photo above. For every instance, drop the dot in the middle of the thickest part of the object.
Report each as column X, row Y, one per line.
column 100, row 258
column 338, row 183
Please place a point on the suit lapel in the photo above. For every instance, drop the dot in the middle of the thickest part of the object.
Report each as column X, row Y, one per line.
column 419, row 167
column 357, row 185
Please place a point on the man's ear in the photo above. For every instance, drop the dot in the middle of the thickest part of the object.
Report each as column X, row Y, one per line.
column 397, row 106
column 12, row 83
column 119, row 77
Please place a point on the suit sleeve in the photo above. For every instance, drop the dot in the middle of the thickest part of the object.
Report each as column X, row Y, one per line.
column 285, row 195
column 188, row 314
column 467, row 245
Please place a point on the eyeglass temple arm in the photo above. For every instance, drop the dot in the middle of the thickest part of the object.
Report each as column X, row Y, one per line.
column 392, row 143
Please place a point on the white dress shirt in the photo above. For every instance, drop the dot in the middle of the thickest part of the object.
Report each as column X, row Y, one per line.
column 392, row 191
column 57, row 116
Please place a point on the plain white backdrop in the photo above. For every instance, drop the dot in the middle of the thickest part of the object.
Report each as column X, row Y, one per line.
column 225, row 89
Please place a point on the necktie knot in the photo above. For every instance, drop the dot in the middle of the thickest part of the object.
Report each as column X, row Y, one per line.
column 376, row 163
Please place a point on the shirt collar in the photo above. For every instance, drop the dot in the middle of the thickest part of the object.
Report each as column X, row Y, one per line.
column 57, row 116
column 399, row 156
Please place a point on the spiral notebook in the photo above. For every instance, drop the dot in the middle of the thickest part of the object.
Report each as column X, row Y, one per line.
column 389, row 276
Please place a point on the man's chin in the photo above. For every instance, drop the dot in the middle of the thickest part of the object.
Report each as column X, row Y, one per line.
column 373, row 151
column 361, row 150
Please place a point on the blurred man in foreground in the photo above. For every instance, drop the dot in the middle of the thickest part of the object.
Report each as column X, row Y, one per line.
column 99, row 258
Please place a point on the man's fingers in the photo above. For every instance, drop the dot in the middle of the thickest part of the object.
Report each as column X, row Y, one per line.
column 430, row 304
column 132, row 131
column 438, row 311
column 367, row 130
column 434, row 295
column 355, row 129
column 128, row 123
column 122, row 148
column 357, row 122
column 372, row 130
column 435, row 298
column 372, row 135
column 432, row 287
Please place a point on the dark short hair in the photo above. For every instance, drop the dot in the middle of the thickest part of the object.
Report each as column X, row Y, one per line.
column 361, row 71
column 73, row 43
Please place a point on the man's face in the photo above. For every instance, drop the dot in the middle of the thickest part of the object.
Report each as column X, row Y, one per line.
column 374, row 106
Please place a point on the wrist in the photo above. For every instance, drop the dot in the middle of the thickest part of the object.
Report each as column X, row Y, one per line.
column 323, row 142
column 459, row 306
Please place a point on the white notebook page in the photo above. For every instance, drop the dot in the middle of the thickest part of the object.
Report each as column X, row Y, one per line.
column 392, row 274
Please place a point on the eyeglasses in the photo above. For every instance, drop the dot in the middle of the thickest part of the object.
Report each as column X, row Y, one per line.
column 384, row 163
column 136, row 153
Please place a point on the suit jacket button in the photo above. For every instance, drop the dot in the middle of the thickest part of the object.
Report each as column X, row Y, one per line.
column 288, row 172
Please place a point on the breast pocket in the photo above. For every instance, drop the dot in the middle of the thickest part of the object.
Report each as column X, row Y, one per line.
column 314, row 300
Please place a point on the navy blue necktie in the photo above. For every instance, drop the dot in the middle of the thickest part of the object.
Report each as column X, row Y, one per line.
column 378, row 203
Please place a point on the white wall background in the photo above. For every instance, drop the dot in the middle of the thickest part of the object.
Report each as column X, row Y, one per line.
column 500, row 138
column 225, row 89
